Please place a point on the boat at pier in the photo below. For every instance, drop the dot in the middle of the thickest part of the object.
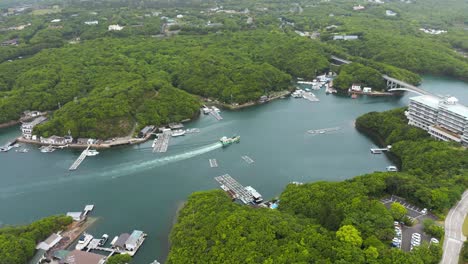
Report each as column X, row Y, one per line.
column 154, row 142
column 206, row 110
column 177, row 133
column 103, row 240
column 92, row 152
column 83, row 241
column 228, row 141
column 47, row 149
column 392, row 168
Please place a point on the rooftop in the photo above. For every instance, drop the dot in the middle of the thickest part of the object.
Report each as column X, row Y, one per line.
column 427, row 100
column 136, row 234
column 79, row 257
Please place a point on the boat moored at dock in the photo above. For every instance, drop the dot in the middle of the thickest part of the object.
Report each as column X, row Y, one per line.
column 392, row 168
column 83, row 241
column 178, row 133
column 91, row 153
column 47, row 149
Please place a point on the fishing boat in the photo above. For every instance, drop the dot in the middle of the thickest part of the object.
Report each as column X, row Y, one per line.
column 92, row 152
column 83, row 241
column 178, row 132
column 47, row 149
column 5, row 148
column 154, row 142
column 228, row 141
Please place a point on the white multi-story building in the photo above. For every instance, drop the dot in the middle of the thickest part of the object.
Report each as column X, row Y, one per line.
column 443, row 118
column 27, row 128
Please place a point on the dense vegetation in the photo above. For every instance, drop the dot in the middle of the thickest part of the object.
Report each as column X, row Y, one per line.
column 331, row 222
column 212, row 229
column 119, row 259
column 18, row 243
column 234, row 53
column 436, row 173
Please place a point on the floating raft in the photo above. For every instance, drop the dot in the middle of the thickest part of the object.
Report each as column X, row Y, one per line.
column 247, row 159
column 162, row 143
column 235, row 189
column 323, row 130
column 213, row 163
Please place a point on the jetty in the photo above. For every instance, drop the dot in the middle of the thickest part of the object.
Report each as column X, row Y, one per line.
column 213, row 163
column 215, row 113
column 323, row 130
column 310, row 96
column 380, row 150
column 79, row 160
column 162, row 143
column 234, row 189
column 247, row 159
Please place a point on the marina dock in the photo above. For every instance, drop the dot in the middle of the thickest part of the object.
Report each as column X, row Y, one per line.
column 247, row 159
column 234, row 188
column 79, row 160
column 323, row 130
column 310, row 96
column 213, row 163
column 162, row 143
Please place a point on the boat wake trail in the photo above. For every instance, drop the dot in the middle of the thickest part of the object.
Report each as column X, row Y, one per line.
column 123, row 169
column 131, row 168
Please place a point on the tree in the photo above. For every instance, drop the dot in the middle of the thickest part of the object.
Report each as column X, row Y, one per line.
column 119, row 259
column 398, row 211
column 349, row 234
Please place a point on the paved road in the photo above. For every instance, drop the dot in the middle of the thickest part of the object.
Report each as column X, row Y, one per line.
column 453, row 231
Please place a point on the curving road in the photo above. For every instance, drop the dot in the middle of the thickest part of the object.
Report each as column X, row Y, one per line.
column 454, row 237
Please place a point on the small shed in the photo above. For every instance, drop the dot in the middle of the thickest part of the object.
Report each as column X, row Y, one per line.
column 145, row 131
column 51, row 241
column 120, row 243
column 75, row 215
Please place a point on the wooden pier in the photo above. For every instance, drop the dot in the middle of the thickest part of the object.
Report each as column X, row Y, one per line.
column 162, row 143
column 247, row 159
column 323, row 130
column 213, row 163
column 79, row 160
column 310, row 96
column 234, row 188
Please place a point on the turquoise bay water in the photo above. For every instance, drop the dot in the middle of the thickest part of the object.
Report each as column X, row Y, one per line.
column 133, row 188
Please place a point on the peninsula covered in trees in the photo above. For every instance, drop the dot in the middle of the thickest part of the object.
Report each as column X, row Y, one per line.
column 166, row 56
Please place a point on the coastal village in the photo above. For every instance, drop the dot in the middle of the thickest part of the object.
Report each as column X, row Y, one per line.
column 75, row 246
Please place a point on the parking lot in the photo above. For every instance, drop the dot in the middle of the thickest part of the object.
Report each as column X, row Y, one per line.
column 418, row 217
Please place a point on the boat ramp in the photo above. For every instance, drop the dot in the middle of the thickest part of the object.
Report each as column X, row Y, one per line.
column 79, row 160
column 162, row 143
column 234, row 189
column 213, row 163
column 247, row 159
column 323, row 130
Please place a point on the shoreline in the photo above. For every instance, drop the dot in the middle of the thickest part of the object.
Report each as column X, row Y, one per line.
column 276, row 96
column 9, row 123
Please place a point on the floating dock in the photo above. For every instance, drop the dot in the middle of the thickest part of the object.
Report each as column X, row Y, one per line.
column 162, row 143
column 235, row 189
column 310, row 96
column 323, row 130
column 79, row 160
column 215, row 113
column 213, row 163
column 247, row 159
